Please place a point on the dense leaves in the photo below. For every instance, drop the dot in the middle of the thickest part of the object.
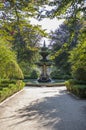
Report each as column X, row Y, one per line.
column 15, row 29
column 60, row 44
column 8, row 64
column 70, row 35
column 22, row 39
column 66, row 8
column 78, row 61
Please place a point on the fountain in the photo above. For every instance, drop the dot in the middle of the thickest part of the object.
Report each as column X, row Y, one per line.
column 44, row 78
column 44, row 63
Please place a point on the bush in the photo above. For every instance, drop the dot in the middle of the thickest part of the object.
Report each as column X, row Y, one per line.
column 34, row 74
column 57, row 75
column 77, row 59
column 8, row 88
column 9, row 67
column 7, row 81
column 26, row 76
column 76, row 87
column 80, row 74
column 14, row 71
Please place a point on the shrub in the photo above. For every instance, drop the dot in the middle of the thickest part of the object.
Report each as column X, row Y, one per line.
column 80, row 74
column 34, row 74
column 26, row 76
column 57, row 75
column 9, row 67
column 14, row 71
column 4, row 81
column 78, row 61
column 8, row 88
column 76, row 87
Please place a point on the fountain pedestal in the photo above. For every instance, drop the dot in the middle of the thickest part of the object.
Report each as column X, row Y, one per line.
column 44, row 63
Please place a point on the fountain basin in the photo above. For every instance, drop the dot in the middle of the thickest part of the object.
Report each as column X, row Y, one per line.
column 53, row 83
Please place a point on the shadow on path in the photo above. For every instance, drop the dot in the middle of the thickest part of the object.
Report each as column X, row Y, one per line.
column 57, row 112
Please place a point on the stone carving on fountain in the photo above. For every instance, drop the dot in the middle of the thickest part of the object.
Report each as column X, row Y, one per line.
column 44, row 63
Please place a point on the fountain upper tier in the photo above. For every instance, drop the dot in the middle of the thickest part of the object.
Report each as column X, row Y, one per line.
column 44, row 52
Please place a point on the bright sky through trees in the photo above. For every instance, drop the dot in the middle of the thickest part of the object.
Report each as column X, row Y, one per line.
column 48, row 25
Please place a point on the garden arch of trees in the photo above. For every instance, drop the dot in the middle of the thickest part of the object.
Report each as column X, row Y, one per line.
column 20, row 41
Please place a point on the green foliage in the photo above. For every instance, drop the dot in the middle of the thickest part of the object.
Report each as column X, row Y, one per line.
column 78, row 61
column 55, row 75
column 79, row 74
column 60, row 48
column 34, row 74
column 9, row 87
column 29, row 70
column 14, row 71
column 17, row 34
column 7, row 81
column 66, row 8
column 59, row 75
column 23, row 37
column 26, row 41
column 75, row 34
column 26, row 67
column 8, row 65
column 23, row 8
column 76, row 88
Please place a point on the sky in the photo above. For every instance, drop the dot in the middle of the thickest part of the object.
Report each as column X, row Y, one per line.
column 47, row 24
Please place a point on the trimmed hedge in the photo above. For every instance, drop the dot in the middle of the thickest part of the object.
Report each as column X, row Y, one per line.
column 8, row 88
column 76, row 87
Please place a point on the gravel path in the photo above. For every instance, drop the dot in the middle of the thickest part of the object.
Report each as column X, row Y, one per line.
column 36, row 108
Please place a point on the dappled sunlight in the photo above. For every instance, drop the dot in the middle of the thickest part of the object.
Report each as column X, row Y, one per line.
column 43, row 111
column 42, row 108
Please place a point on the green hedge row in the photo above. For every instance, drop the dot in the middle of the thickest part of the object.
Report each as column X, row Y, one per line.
column 8, row 88
column 76, row 87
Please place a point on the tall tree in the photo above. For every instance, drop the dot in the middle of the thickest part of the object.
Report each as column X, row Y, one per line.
column 64, row 39
column 16, row 28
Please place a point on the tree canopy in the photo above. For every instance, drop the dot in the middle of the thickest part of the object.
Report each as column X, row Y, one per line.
column 20, row 40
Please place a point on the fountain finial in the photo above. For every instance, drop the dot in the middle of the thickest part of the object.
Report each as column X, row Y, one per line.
column 44, row 44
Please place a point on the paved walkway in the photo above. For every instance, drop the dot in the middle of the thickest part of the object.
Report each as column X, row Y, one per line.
column 43, row 109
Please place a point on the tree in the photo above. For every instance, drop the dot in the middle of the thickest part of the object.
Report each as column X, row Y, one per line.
column 78, row 61
column 77, row 56
column 65, row 39
column 16, row 28
column 66, row 8
column 8, row 64
column 59, row 42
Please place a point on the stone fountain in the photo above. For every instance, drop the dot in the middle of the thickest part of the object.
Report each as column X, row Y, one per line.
column 44, row 63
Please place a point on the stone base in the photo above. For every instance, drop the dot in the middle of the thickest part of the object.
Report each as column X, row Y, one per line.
column 44, row 80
